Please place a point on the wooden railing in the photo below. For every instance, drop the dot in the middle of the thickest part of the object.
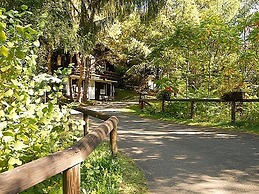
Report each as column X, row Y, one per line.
column 233, row 103
column 109, row 75
column 66, row 161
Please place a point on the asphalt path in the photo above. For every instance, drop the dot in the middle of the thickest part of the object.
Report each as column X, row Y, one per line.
column 188, row 159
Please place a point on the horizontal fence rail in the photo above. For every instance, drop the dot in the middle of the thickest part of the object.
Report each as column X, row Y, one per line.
column 199, row 100
column 143, row 101
column 66, row 161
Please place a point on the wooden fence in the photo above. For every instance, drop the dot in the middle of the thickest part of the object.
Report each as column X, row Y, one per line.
column 233, row 103
column 66, row 161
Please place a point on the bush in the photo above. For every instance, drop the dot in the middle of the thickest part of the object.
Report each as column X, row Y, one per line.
column 249, row 113
column 177, row 110
column 203, row 112
column 30, row 126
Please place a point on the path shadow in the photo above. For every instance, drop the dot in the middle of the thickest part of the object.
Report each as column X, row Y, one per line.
column 188, row 159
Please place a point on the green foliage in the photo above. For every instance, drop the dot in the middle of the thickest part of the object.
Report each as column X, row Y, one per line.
column 50, row 186
column 212, row 112
column 203, row 48
column 102, row 174
column 174, row 110
column 30, row 126
column 57, row 25
column 249, row 114
column 209, row 114
column 197, row 56
column 125, row 95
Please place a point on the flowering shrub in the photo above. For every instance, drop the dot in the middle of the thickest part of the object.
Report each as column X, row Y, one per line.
column 165, row 93
column 237, row 93
column 232, row 86
column 30, row 126
column 238, row 88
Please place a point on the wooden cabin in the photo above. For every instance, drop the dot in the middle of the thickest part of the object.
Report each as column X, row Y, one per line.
column 102, row 76
column 101, row 83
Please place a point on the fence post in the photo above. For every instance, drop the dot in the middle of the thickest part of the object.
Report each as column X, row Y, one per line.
column 113, row 140
column 86, row 126
column 141, row 104
column 233, row 111
column 192, row 109
column 71, row 180
column 163, row 105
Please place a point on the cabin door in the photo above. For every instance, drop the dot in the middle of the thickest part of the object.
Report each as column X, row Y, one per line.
column 97, row 90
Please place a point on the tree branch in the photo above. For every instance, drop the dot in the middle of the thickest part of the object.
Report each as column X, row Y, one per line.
column 74, row 7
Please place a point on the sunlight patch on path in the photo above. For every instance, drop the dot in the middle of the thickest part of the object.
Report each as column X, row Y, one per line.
column 189, row 159
column 225, row 184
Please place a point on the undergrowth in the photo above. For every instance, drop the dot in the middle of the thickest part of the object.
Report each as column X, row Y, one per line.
column 205, row 114
column 125, row 95
column 101, row 174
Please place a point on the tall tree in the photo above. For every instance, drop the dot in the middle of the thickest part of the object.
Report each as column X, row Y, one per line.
column 78, row 21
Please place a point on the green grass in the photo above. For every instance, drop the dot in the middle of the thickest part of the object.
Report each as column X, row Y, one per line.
column 204, row 120
column 126, row 95
column 101, row 174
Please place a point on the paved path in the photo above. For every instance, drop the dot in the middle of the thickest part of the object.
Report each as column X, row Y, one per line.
column 187, row 159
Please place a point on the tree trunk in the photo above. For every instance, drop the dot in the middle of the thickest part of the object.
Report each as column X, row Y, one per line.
column 209, row 79
column 87, row 28
column 81, row 69
column 49, row 63
column 187, row 72
column 87, row 78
